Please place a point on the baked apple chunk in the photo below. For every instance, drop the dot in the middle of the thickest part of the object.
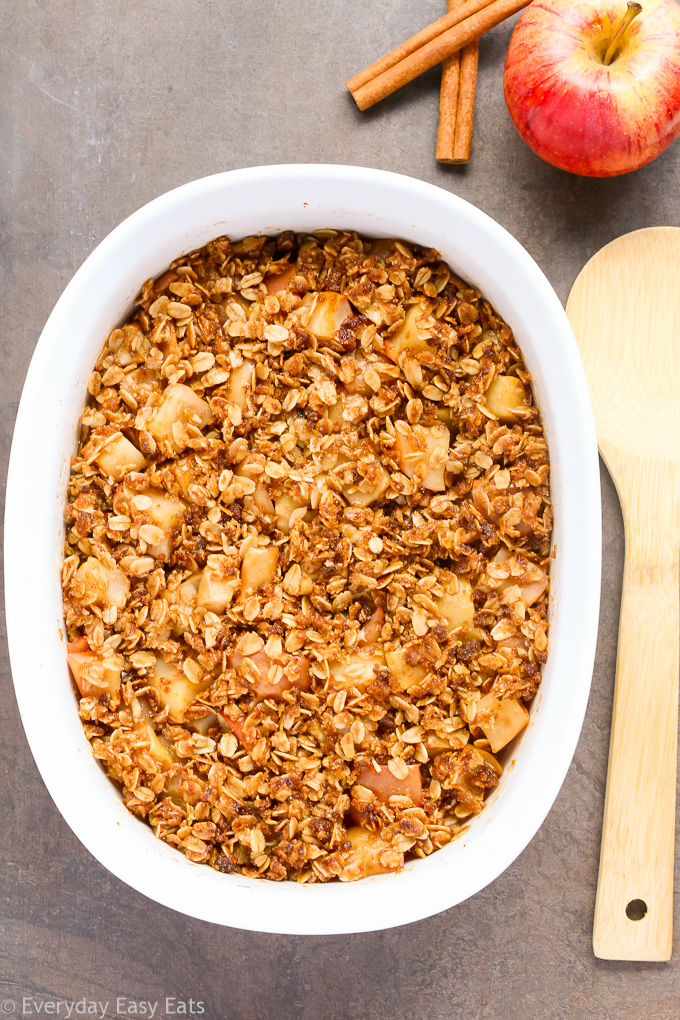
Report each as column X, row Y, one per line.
column 175, row 690
column 411, row 337
column 180, row 406
column 102, row 584
column 423, row 453
column 327, row 312
column 500, row 721
column 96, row 673
column 119, row 457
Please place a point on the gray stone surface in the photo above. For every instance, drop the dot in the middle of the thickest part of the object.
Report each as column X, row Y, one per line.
column 104, row 106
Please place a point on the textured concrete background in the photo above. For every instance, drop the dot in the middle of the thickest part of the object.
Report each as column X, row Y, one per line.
column 104, row 106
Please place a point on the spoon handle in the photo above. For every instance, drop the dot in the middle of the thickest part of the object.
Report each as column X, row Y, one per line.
column 634, row 903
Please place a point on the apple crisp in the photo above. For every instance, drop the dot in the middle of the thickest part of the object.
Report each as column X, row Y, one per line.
column 307, row 547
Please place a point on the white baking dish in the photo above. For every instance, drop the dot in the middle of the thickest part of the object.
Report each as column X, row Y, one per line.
column 270, row 199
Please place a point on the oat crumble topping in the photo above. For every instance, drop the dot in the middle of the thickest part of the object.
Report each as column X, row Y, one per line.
column 306, row 567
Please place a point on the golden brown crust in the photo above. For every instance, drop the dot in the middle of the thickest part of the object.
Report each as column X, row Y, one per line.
column 291, row 465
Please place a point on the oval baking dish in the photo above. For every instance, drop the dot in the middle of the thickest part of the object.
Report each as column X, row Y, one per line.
column 268, row 200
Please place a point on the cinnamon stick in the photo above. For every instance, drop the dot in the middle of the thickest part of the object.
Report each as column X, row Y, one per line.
column 433, row 52
column 457, row 102
column 426, row 35
column 465, row 113
column 448, row 106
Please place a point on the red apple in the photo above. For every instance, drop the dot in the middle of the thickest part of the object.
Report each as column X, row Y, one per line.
column 591, row 90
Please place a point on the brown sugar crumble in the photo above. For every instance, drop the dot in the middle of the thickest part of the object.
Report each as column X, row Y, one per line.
column 307, row 549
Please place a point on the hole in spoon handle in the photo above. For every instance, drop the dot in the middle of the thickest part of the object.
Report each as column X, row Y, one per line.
column 636, row 910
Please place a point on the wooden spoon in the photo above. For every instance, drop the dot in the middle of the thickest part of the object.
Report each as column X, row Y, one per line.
column 625, row 311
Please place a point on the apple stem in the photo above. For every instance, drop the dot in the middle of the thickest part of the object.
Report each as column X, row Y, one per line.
column 632, row 12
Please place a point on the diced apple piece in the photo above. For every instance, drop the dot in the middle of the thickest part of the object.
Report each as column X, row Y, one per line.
column 380, row 366
column 214, row 593
column 274, row 678
column 385, row 785
column 438, row 743
column 204, row 724
column 408, row 337
column 380, row 247
column 327, row 312
column 79, row 645
column 179, row 404
column 263, row 501
column 406, row 675
column 504, row 396
column 241, row 383
column 334, row 413
column 423, row 453
column 368, row 490
column 215, row 588
column 500, row 721
column 371, row 630
column 284, row 508
column 258, row 567
column 166, row 512
column 190, row 586
column 457, row 608
column 157, row 749
column 119, row 457
column 96, row 673
column 490, row 760
column 175, row 691
column 368, row 848
column 140, row 384
column 103, row 584
column 532, row 590
column 276, row 283
column 356, row 670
